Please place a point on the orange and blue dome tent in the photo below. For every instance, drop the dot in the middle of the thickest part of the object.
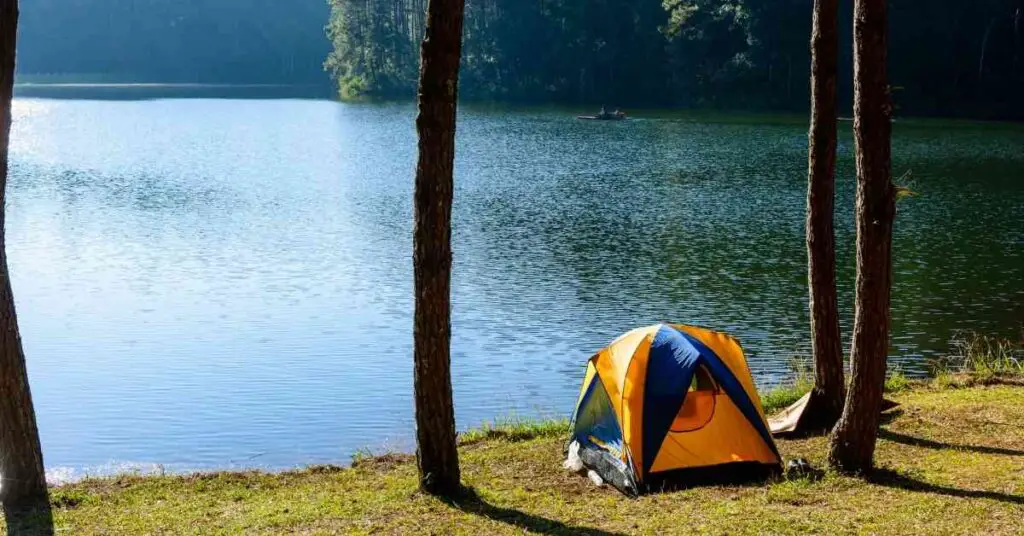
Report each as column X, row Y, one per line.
column 671, row 404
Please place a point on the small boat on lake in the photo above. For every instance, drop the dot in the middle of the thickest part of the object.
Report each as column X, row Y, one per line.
column 603, row 116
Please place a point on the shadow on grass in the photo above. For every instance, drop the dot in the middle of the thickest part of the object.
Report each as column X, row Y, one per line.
column 889, row 417
column 471, row 503
column 36, row 520
column 893, row 479
column 904, row 439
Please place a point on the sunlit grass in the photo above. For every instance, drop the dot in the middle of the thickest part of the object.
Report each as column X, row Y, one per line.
column 782, row 396
column 515, row 429
column 896, row 381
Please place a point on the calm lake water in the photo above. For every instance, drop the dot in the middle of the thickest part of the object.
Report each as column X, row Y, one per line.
column 210, row 283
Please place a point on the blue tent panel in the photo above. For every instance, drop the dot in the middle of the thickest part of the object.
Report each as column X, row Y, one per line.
column 670, row 365
column 672, row 360
column 595, row 422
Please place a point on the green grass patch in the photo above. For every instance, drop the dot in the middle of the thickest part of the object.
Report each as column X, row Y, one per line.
column 514, row 429
column 897, row 382
column 782, row 396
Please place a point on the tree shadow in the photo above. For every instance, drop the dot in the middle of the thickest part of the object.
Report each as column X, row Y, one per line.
column 893, row 479
column 904, row 439
column 34, row 520
column 889, row 416
column 471, row 503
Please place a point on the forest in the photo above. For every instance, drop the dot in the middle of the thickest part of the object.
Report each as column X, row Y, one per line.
column 945, row 58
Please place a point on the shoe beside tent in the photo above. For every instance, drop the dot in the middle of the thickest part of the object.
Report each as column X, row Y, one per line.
column 671, row 404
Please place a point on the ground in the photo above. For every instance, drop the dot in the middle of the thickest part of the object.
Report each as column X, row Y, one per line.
column 951, row 461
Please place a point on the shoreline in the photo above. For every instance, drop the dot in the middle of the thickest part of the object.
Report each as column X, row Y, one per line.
column 511, row 429
column 940, row 468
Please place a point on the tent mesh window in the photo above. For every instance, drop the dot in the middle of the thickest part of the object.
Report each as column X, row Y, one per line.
column 699, row 406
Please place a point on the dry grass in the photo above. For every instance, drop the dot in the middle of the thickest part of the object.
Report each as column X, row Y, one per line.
column 951, row 461
column 983, row 358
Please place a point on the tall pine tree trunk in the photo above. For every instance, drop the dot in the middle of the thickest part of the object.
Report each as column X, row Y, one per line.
column 853, row 440
column 22, row 480
column 436, row 454
column 826, row 402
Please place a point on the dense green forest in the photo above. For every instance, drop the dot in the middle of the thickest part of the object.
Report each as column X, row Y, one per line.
column 210, row 41
column 946, row 57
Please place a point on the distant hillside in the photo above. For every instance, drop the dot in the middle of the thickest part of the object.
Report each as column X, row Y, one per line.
column 208, row 41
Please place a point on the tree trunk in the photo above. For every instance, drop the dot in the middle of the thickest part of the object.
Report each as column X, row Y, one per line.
column 437, row 456
column 853, row 440
column 826, row 402
column 984, row 50
column 22, row 479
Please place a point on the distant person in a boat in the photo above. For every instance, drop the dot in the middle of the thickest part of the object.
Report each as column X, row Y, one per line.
column 603, row 114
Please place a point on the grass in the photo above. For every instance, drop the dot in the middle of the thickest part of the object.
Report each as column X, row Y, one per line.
column 982, row 358
column 897, row 382
column 951, row 461
column 514, row 429
column 783, row 395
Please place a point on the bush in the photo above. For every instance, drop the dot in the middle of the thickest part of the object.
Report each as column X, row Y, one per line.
column 352, row 87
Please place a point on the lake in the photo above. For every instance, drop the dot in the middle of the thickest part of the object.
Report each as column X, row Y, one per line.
column 217, row 283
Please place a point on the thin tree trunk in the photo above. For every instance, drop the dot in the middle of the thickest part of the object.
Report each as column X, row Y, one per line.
column 1016, row 36
column 826, row 402
column 984, row 50
column 853, row 440
column 22, row 479
column 437, row 456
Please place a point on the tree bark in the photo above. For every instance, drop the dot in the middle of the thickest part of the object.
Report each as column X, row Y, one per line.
column 436, row 455
column 22, row 479
column 826, row 402
column 853, row 440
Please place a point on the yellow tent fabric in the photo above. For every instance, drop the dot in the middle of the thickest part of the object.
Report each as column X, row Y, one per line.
column 719, row 418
